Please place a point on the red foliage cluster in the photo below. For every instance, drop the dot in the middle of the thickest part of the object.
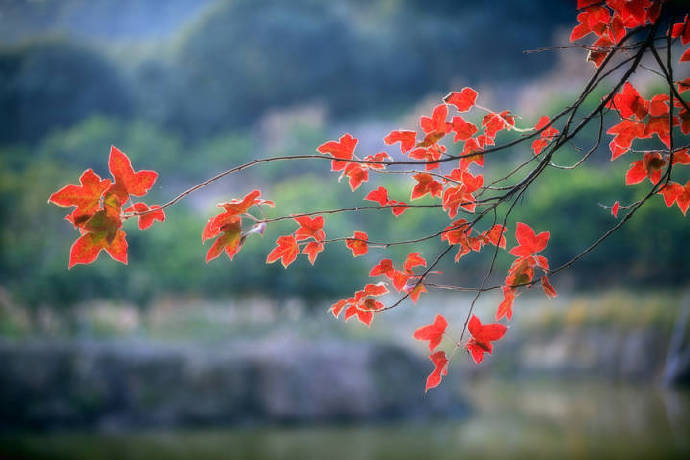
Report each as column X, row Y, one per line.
column 98, row 209
column 98, row 203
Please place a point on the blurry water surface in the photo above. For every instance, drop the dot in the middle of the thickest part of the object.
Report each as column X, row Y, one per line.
column 555, row 419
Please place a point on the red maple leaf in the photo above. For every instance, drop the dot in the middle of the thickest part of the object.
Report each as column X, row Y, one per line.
column 614, row 209
column 528, row 242
column 649, row 167
column 505, row 308
column 548, row 289
column 677, row 193
column 286, row 250
column 86, row 197
column 407, row 139
column 682, row 30
column 154, row 213
column 398, row 207
column 343, row 149
column 127, row 181
column 629, row 102
column 358, row 245
column 425, row 185
column 432, row 332
column 413, row 260
column 101, row 232
column 496, row 236
column 310, row 228
column 435, row 127
column 356, row 174
column 463, row 100
column 440, row 369
column 236, row 207
column 230, row 239
column 384, row 267
column 415, row 291
column 312, row 250
column 482, row 336
column 625, row 132
column 380, row 196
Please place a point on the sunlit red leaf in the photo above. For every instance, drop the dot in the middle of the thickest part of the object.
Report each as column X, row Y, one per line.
column 463, row 100
column 440, row 369
column 286, row 250
column 380, row 196
column 86, row 197
column 528, row 242
column 310, row 228
column 155, row 213
column 127, row 181
column 358, row 245
column 407, row 139
column 482, row 336
column 425, row 185
column 505, row 308
column 432, row 332
column 414, row 260
column 385, row 267
column 312, row 250
column 548, row 289
column 343, row 149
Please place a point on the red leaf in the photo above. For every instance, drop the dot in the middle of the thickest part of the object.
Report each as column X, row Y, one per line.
column 482, row 336
column 286, row 250
column 629, row 102
column 425, row 185
column 614, row 209
column 337, row 307
column 358, row 245
column 682, row 30
column 677, row 193
column 357, row 174
column 548, row 289
column 343, row 149
column 380, row 196
column 505, row 308
column 436, row 125
column 407, row 139
column 463, row 130
column 414, row 260
column 625, row 132
column 415, row 291
column 87, row 247
column 528, row 242
column 496, row 236
column 650, row 166
column 146, row 220
column 385, row 267
column 86, row 197
column 440, row 369
column 127, row 181
column 230, row 239
column 684, row 85
column 433, row 332
column 101, row 231
column 462, row 100
column 236, row 207
column 398, row 207
column 312, row 249
column 310, row 228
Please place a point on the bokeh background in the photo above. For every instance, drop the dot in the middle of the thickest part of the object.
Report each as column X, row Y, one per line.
column 169, row 357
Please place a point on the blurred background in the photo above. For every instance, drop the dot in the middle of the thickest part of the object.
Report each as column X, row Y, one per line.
column 171, row 358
